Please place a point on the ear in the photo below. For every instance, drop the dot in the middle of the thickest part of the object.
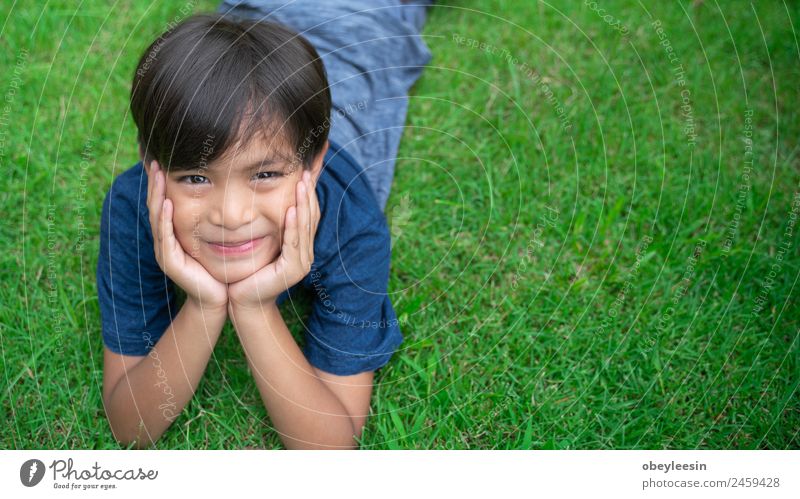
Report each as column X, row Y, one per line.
column 316, row 169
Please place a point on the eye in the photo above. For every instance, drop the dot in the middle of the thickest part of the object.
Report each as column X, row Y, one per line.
column 193, row 179
column 267, row 175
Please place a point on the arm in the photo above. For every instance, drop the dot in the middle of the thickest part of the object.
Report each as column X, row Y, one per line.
column 310, row 409
column 143, row 395
column 147, row 397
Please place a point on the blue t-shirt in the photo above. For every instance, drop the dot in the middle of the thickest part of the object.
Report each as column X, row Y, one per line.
column 352, row 327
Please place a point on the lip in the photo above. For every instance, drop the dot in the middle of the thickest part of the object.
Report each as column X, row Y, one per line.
column 237, row 248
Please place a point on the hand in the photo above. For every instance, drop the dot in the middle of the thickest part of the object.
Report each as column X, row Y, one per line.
column 294, row 261
column 184, row 270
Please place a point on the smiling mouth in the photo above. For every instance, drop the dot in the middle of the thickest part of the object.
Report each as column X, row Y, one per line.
column 235, row 248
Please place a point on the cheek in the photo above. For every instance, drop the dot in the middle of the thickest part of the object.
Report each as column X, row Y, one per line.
column 185, row 218
column 275, row 205
column 286, row 196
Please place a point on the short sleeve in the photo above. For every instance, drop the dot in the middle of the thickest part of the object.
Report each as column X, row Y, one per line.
column 137, row 300
column 353, row 327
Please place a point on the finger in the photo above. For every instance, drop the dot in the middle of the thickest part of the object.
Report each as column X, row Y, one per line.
column 313, row 211
column 166, row 234
column 151, row 173
column 304, row 220
column 151, row 204
column 303, row 209
column 311, row 229
column 290, row 238
column 286, row 259
column 290, row 233
column 157, row 199
column 309, row 195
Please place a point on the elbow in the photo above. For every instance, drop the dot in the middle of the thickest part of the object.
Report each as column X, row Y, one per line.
column 129, row 440
column 128, row 432
column 132, row 438
column 327, row 444
column 132, row 444
column 349, row 438
column 136, row 442
column 346, row 439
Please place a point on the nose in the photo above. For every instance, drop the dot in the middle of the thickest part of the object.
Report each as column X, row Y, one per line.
column 233, row 208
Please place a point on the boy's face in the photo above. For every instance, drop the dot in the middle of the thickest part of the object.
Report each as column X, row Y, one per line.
column 230, row 217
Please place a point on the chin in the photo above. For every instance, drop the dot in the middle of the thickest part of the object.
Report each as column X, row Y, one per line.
column 232, row 272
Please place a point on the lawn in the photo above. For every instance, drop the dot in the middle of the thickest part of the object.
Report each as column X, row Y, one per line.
column 594, row 219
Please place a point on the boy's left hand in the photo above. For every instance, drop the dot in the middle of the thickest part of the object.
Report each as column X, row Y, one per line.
column 295, row 259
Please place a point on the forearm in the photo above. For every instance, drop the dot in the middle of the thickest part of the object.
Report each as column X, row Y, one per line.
column 305, row 412
column 147, row 400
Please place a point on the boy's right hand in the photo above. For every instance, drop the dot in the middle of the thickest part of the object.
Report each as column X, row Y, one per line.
column 185, row 271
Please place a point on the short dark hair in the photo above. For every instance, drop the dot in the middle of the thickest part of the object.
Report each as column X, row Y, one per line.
column 211, row 82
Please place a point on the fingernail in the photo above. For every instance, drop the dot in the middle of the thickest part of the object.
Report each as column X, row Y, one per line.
column 302, row 187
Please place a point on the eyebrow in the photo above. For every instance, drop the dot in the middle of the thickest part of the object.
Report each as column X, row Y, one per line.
column 255, row 165
column 251, row 167
column 267, row 161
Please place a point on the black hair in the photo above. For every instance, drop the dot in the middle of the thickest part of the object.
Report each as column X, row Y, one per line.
column 214, row 81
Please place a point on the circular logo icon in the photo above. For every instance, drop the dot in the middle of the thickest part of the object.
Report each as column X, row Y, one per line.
column 31, row 472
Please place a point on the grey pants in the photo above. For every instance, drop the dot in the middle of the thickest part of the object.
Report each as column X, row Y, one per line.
column 373, row 54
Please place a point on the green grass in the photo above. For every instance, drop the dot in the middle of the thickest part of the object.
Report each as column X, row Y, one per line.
column 516, row 336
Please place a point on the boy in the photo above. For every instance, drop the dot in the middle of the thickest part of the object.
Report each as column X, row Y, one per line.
column 241, row 198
